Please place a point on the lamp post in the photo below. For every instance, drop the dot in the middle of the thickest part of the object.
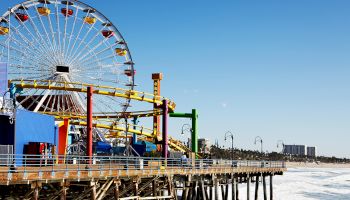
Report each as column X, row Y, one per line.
column 186, row 127
column 230, row 134
column 258, row 138
column 278, row 145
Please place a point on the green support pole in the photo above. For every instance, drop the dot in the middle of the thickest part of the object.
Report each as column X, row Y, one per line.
column 194, row 136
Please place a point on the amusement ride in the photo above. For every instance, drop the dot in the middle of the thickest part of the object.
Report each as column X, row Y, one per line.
column 56, row 50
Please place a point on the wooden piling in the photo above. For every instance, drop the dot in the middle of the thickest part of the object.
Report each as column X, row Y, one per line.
column 35, row 186
column 116, row 189
column 136, row 188
column 226, row 192
column 36, row 193
column 271, row 187
column 63, row 195
column 93, row 190
column 216, row 187
column 190, row 191
column 234, row 182
column 222, row 191
column 248, row 186
column 194, row 190
column 256, row 187
column 264, row 187
column 203, row 192
column 237, row 191
column 154, row 188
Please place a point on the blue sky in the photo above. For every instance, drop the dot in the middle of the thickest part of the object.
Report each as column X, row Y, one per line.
column 274, row 69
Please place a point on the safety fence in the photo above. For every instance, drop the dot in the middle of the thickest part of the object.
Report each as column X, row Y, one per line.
column 53, row 163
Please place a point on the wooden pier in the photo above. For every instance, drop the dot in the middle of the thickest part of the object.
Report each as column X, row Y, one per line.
column 139, row 178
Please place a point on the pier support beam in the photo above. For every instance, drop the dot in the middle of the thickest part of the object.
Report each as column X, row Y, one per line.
column 89, row 124
column 226, row 193
column 136, row 186
column 93, row 190
column 256, row 187
column 64, row 186
column 116, row 189
column 154, row 188
column 271, row 187
column 165, row 130
column 222, row 191
column 204, row 194
column 264, row 187
column 216, row 187
column 233, row 187
column 194, row 190
column 35, row 186
column 248, row 187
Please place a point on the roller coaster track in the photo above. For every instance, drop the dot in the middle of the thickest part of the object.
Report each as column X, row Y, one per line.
column 106, row 115
column 144, row 132
column 100, row 90
column 116, row 131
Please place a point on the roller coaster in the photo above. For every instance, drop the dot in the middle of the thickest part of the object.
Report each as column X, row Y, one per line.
column 55, row 50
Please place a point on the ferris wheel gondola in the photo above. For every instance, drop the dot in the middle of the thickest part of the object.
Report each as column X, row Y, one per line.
column 65, row 42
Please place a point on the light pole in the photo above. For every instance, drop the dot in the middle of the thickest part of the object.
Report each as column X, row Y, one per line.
column 229, row 134
column 278, row 145
column 186, row 127
column 258, row 138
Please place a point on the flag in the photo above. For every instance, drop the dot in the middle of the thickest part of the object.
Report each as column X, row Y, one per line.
column 3, row 78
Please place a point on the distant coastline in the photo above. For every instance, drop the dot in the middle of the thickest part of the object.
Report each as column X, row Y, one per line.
column 316, row 165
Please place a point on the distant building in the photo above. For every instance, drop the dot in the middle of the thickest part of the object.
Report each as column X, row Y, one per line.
column 204, row 145
column 300, row 150
column 311, row 152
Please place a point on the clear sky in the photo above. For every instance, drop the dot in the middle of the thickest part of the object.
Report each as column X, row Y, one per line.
column 274, row 69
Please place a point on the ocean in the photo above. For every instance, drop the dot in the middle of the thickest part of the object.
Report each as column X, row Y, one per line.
column 305, row 184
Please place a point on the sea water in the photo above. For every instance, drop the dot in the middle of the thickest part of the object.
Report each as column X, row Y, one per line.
column 304, row 184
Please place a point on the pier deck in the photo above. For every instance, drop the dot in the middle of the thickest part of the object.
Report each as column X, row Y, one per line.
column 130, row 178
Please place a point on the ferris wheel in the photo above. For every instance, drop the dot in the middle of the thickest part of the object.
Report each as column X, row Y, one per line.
column 65, row 42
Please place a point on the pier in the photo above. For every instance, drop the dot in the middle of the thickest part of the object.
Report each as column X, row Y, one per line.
column 33, row 177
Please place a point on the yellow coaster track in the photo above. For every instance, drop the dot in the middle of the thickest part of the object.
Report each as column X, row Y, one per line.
column 119, row 131
column 101, row 90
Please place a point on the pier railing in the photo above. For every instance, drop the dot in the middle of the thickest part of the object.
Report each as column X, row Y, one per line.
column 54, row 163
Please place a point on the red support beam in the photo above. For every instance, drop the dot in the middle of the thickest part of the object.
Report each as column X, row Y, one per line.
column 165, row 130
column 89, row 123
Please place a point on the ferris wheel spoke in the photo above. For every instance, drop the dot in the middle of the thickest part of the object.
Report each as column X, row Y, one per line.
column 40, row 45
column 50, row 40
column 52, row 32
column 31, row 56
column 32, row 53
column 75, row 41
column 97, row 53
column 97, row 61
column 24, row 59
column 58, row 32
column 91, row 40
column 25, row 39
column 82, row 41
column 74, row 107
column 72, row 31
column 34, row 99
column 48, row 103
column 21, row 61
column 43, row 41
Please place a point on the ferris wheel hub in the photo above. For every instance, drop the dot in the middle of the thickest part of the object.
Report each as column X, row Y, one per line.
column 62, row 69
